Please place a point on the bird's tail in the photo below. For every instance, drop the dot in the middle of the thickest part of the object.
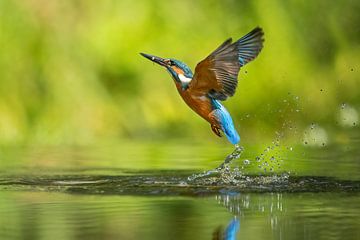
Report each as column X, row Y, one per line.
column 225, row 121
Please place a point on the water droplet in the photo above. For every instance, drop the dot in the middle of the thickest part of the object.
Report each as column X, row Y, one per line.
column 348, row 116
column 246, row 161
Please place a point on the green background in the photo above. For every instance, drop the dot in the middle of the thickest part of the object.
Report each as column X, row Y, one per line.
column 70, row 71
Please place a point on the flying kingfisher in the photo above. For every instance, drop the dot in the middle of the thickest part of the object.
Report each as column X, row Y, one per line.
column 215, row 79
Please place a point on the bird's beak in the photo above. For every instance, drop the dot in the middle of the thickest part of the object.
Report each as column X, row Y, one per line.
column 158, row 60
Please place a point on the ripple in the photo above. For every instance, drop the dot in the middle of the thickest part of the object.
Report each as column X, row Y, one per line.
column 175, row 183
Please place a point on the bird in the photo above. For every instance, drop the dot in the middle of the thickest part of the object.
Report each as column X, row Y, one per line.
column 229, row 233
column 215, row 80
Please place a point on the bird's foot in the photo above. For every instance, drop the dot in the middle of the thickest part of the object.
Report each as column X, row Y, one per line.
column 216, row 130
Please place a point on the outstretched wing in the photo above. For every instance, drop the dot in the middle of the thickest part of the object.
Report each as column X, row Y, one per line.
column 217, row 74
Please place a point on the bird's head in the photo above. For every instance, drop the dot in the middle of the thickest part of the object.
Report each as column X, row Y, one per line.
column 179, row 71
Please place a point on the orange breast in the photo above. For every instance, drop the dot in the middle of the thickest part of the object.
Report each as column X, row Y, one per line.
column 199, row 103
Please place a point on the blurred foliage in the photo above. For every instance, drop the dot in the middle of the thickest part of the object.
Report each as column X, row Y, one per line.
column 70, row 71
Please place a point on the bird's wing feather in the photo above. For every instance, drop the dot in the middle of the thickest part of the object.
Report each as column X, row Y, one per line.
column 217, row 74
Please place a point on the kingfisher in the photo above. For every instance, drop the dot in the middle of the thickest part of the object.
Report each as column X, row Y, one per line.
column 215, row 79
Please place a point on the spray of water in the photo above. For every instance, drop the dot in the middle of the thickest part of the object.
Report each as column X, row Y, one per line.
column 269, row 161
column 224, row 169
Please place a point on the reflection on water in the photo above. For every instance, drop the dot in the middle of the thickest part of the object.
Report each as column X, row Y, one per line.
column 43, row 215
column 163, row 205
column 96, row 193
column 229, row 233
column 295, row 216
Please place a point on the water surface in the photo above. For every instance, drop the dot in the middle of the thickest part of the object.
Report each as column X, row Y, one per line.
column 115, row 192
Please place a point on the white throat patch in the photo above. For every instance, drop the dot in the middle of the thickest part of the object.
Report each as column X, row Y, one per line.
column 184, row 79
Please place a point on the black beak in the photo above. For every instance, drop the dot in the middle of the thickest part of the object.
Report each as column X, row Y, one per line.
column 158, row 60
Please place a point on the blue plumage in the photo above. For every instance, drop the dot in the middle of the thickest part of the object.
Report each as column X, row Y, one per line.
column 215, row 79
column 232, row 229
column 249, row 46
column 226, row 122
column 187, row 73
column 241, row 60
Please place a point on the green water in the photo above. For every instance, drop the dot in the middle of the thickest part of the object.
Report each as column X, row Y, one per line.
column 141, row 191
column 44, row 215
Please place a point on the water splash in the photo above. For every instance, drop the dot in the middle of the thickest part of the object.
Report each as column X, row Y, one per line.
column 273, row 156
column 232, row 156
column 223, row 170
column 269, row 161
